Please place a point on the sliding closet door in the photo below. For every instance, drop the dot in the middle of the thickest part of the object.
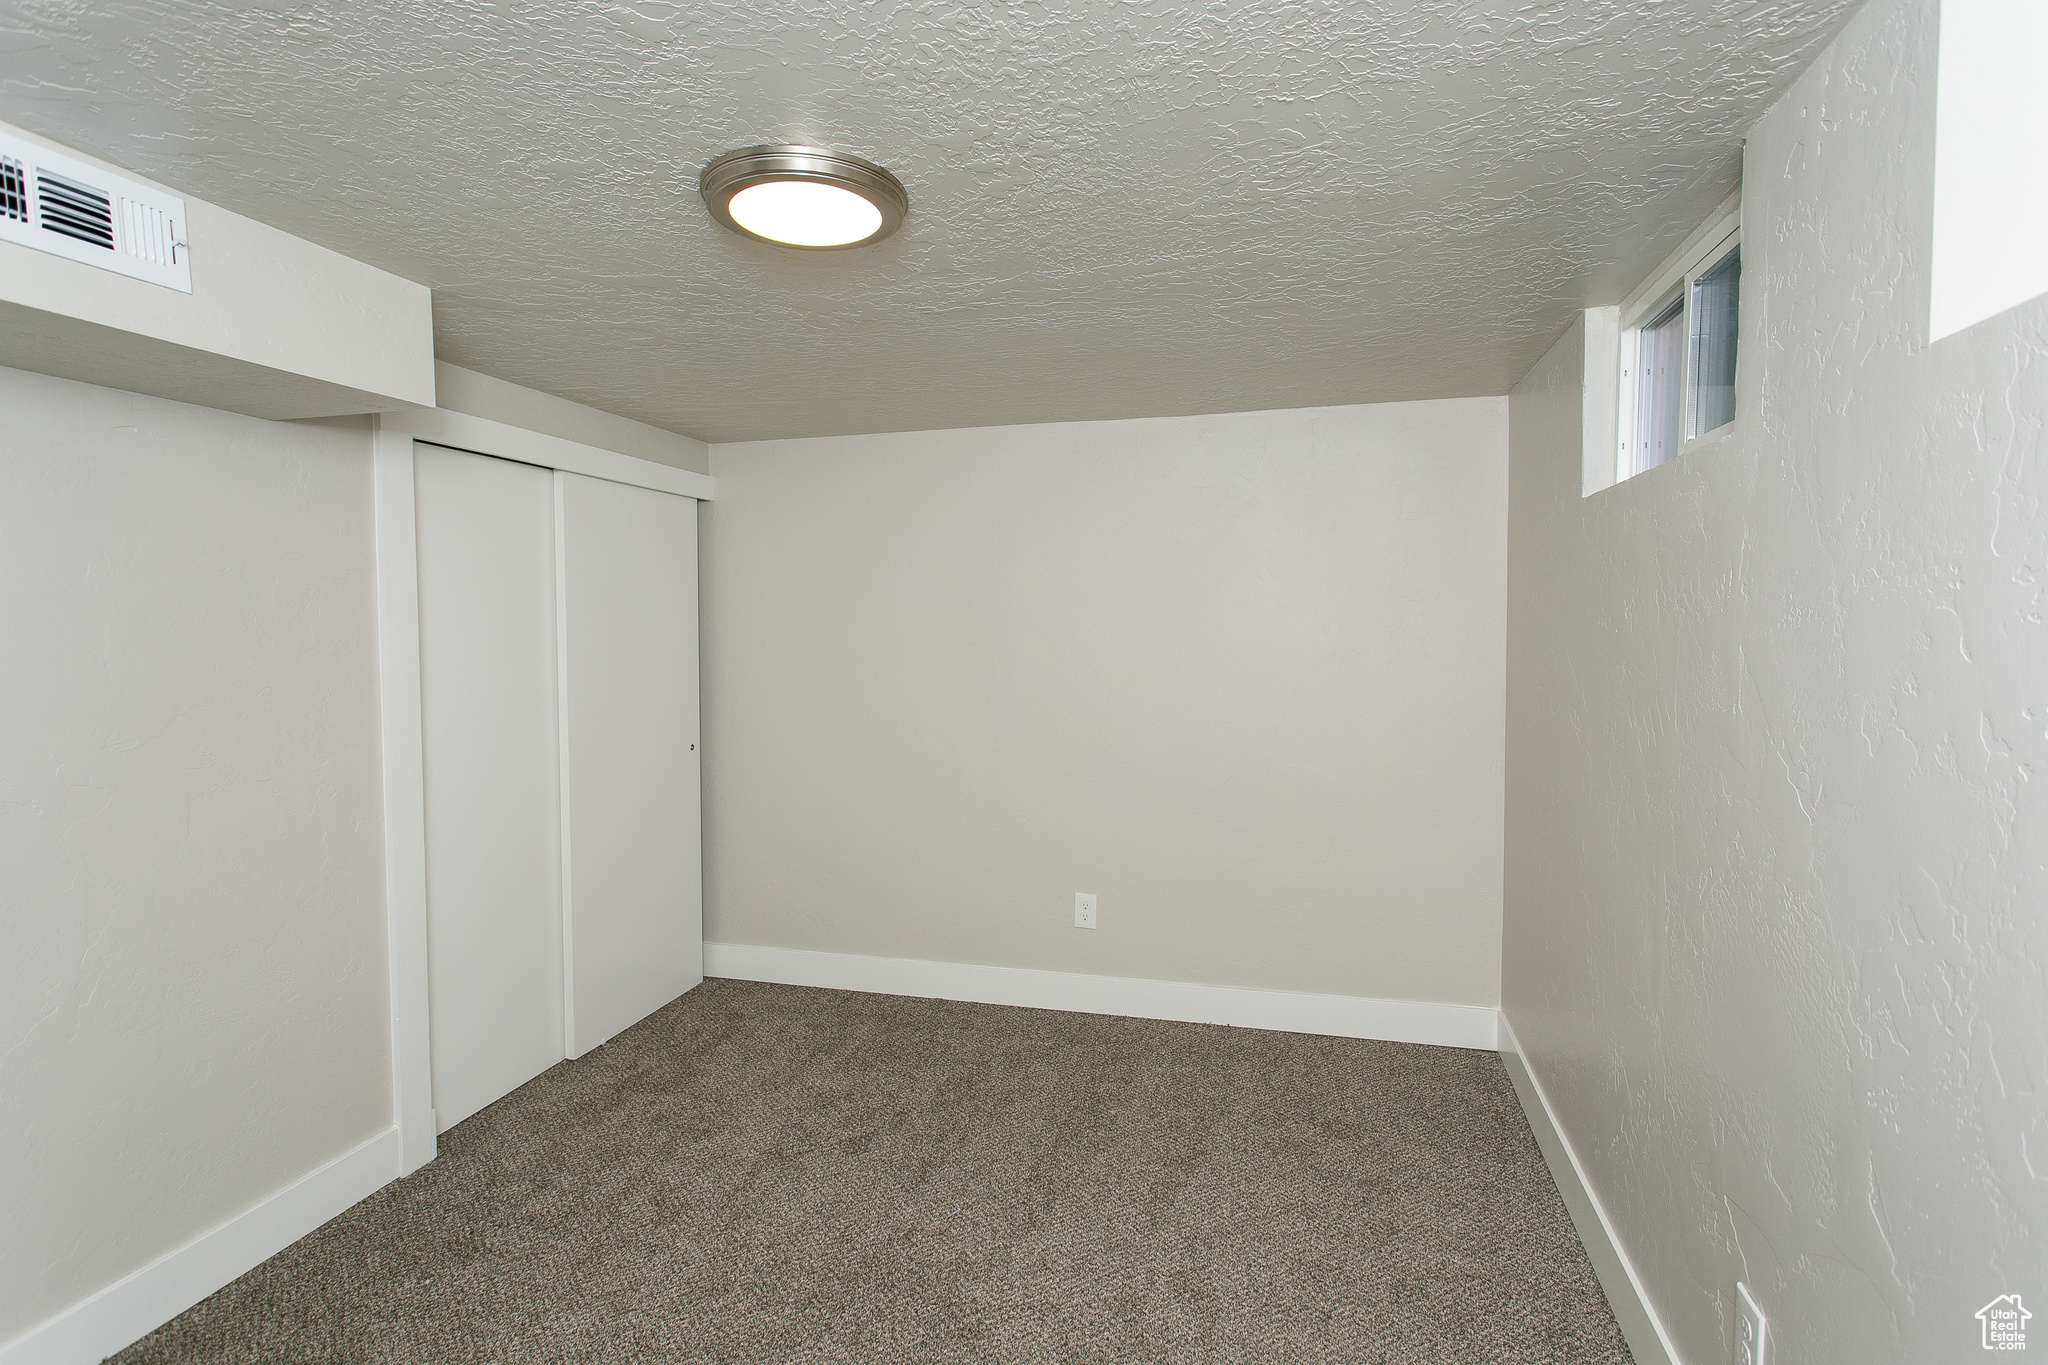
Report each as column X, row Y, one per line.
column 489, row 707
column 634, row 869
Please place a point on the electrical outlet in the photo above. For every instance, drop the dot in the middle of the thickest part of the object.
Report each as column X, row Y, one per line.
column 1084, row 909
column 1753, row 1332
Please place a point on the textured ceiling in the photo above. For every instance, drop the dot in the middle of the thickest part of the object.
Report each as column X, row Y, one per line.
column 1117, row 209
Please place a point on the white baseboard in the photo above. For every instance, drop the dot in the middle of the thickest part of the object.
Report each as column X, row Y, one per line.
column 1647, row 1340
column 95, row 1328
column 1336, row 1016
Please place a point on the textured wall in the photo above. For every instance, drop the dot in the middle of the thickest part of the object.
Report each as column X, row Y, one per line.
column 1240, row 676
column 1117, row 209
column 192, row 967
column 1777, row 837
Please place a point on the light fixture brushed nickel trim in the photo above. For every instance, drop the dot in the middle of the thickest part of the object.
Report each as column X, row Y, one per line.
column 725, row 176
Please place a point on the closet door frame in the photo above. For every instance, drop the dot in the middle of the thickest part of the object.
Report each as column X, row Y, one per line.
column 398, row 661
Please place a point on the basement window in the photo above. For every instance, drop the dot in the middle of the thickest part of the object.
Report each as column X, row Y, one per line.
column 1678, row 338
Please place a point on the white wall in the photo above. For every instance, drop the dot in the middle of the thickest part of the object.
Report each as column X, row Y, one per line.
column 192, row 984
column 1241, row 676
column 1777, row 834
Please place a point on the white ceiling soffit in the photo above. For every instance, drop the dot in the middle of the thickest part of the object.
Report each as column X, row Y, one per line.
column 1117, row 209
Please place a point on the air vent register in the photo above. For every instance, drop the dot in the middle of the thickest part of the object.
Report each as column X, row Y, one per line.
column 57, row 204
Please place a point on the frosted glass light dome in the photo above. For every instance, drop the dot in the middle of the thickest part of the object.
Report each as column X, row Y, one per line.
column 803, row 197
column 804, row 213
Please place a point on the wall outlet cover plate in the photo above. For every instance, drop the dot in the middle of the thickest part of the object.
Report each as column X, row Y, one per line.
column 1752, row 1332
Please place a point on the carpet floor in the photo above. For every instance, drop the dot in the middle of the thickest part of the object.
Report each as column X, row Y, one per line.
column 768, row 1174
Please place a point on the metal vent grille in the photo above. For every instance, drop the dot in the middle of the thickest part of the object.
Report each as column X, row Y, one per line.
column 13, row 190
column 75, row 210
column 149, row 233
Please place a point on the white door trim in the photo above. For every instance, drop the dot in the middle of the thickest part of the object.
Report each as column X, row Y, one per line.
column 563, row 803
column 485, row 437
column 405, row 811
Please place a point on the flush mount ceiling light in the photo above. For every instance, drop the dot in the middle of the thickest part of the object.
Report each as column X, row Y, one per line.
column 803, row 197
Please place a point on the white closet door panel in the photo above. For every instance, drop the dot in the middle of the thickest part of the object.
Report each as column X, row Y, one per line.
column 489, row 714
column 633, row 867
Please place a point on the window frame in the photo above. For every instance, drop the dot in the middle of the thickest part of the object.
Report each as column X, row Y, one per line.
column 1675, row 280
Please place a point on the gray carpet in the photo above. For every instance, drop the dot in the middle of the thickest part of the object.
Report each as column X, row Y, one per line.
column 764, row 1174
